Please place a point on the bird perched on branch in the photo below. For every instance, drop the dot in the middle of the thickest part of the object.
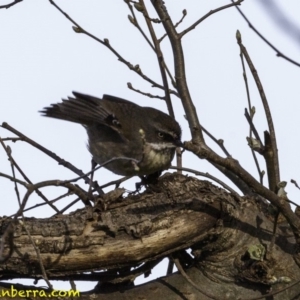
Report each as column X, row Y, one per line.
column 126, row 138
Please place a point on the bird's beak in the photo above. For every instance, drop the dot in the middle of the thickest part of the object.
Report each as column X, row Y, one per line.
column 178, row 143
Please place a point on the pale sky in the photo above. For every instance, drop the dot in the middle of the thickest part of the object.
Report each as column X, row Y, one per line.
column 43, row 60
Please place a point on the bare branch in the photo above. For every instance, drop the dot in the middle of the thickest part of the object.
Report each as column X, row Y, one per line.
column 160, row 59
column 295, row 183
column 278, row 52
column 44, row 203
column 14, row 164
column 143, row 93
column 180, row 76
column 141, row 7
column 135, row 22
column 251, row 109
column 33, row 187
column 184, row 13
column 193, row 26
column 60, row 161
column 271, row 153
column 233, row 166
column 6, row 6
column 219, row 142
column 14, row 179
column 105, row 42
column 260, row 148
column 163, row 69
column 207, row 175
column 252, row 128
column 116, row 182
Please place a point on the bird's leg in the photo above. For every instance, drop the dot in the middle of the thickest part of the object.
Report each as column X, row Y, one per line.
column 148, row 180
column 151, row 178
column 94, row 164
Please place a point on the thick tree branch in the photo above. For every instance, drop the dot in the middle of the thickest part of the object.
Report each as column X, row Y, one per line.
column 181, row 212
column 234, row 166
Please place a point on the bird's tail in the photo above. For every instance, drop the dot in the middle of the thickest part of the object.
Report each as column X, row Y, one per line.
column 82, row 109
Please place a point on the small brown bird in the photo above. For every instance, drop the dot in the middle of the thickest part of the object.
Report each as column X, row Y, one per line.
column 138, row 140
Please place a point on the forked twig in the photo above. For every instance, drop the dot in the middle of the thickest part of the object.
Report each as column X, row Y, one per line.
column 184, row 13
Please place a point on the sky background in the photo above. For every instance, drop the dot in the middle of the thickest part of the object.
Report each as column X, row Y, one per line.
column 43, row 60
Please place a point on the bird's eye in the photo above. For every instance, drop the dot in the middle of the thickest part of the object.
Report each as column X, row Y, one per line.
column 160, row 135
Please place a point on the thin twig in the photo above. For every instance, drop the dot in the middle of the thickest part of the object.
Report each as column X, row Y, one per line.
column 135, row 161
column 213, row 11
column 60, row 161
column 143, row 93
column 135, row 22
column 14, row 164
column 180, row 75
column 184, row 13
column 250, row 119
column 278, row 52
column 67, row 207
column 106, row 43
column 13, row 179
column 116, row 182
column 271, row 153
column 219, row 142
column 207, row 175
column 11, row 139
column 252, row 127
column 42, row 204
column 295, row 183
column 160, row 59
column 259, row 149
column 6, row 6
column 163, row 69
column 31, row 188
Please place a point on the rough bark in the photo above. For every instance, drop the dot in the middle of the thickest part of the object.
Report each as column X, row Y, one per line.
column 179, row 212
